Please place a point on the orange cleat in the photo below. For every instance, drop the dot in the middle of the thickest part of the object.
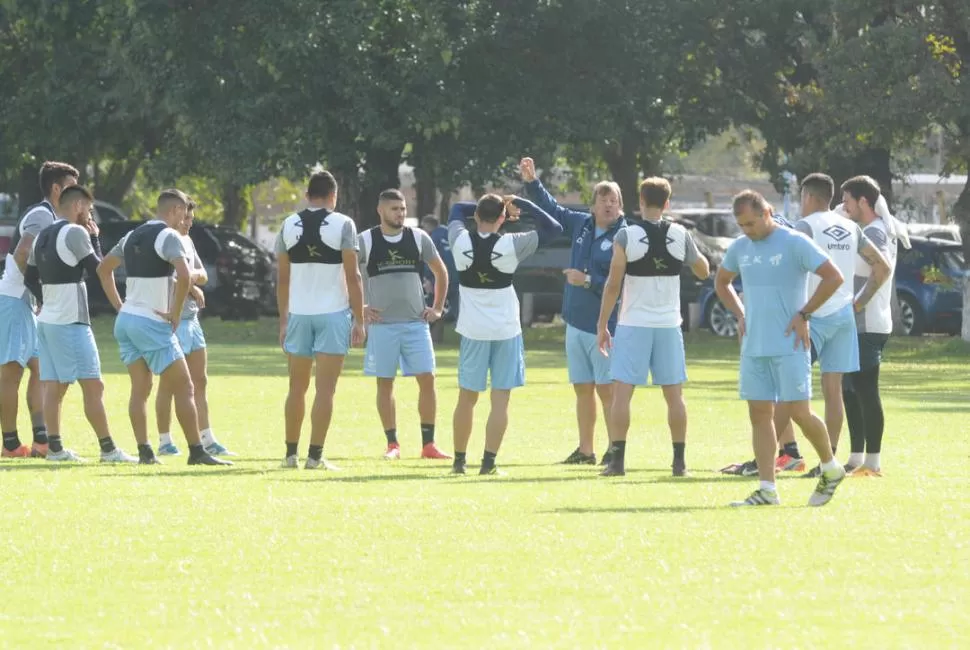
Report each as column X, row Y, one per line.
column 23, row 451
column 393, row 452
column 786, row 463
column 432, row 452
column 864, row 472
column 38, row 450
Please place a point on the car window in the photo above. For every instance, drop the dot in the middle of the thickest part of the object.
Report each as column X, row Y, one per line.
column 206, row 243
column 951, row 260
column 914, row 257
column 107, row 213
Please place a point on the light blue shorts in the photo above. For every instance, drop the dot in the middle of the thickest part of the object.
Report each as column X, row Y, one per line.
column 68, row 353
column 786, row 378
column 18, row 331
column 504, row 360
column 146, row 338
column 407, row 345
column 654, row 352
column 190, row 335
column 586, row 363
column 307, row 335
column 834, row 341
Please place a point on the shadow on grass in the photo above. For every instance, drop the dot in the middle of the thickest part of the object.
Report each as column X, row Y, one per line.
column 45, row 467
column 631, row 510
column 338, row 477
column 223, row 472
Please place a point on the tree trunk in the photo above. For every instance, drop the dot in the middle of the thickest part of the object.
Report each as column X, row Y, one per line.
column 113, row 185
column 961, row 213
column 28, row 189
column 425, row 181
column 621, row 158
column 444, row 206
column 381, row 172
column 348, row 189
column 233, row 205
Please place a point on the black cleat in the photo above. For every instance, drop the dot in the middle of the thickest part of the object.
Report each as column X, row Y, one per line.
column 149, row 460
column 679, row 469
column 607, row 457
column 579, row 458
column 613, row 470
column 206, row 459
column 458, row 468
column 815, row 472
column 490, row 471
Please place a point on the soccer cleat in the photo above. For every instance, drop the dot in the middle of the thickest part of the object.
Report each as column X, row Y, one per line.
column 393, row 452
column 458, row 468
column 117, row 456
column 786, row 463
column 613, row 470
column 579, row 458
column 490, row 471
column 759, row 498
column 149, row 460
column 607, row 457
column 168, row 450
column 815, row 472
column 849, row 468
column 23, row 451
column 39, row 450
column 679, row 469
column 64, row 456
column 864, row 472
column 323, row 464
column 206, row 459
column 747, row 468
column 291, row 462
column 217, row 449
column 431, row 452
column 826, row 487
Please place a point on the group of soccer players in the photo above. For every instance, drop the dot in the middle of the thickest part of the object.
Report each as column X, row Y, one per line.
column 818, row 290
column 45, row 324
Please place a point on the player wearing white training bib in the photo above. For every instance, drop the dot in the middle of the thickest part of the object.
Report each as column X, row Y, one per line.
column 833, row 328
column 647, row 263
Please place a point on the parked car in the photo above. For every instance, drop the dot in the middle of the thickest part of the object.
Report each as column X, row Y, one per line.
column 929, row 280
column 241, row 284
column 713, row 229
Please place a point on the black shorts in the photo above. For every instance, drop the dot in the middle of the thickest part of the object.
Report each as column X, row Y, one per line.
column 870, row 350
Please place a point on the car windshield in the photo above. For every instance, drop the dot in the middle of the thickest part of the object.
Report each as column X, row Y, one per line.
column 953, row 260
column 725, row 225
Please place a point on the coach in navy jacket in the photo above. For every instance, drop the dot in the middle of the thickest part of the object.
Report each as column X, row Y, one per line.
column 592, row 252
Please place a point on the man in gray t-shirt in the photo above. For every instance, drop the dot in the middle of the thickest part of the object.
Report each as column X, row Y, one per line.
column 392, row 258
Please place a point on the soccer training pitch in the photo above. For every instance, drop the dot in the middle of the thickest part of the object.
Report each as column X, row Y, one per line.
column 402, row 555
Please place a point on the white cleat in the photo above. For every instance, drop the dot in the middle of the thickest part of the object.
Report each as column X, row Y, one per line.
column 64, row 456
column 118, row 456
column 759, row 498
column 825, row 489
column 291, row 462
column 323, row 463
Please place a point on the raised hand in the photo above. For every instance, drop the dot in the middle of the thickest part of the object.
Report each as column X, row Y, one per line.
column 527, row 169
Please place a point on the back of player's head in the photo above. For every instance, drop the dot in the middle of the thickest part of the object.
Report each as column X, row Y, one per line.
column 863, row 187
column 749, row 200
column 655, row 192
column 169, row 199
column 55, row 173
column 72, row 194
column 392, row 195
column 819, row 186
column 322, row 185
column 490, row 208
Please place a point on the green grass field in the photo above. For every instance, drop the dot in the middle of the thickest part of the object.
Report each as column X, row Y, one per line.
column 402, row 555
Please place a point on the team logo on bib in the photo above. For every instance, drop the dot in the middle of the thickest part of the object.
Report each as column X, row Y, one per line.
column 605, row 245
column 836, row 232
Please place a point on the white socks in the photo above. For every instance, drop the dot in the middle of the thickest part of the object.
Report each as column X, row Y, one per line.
column 768, row 486
column 830, row 466
column 872, row 462
column 856, row 459
column 207, row 438
column 164, row 439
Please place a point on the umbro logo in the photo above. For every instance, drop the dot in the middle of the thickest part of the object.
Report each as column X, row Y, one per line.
column 837, row 232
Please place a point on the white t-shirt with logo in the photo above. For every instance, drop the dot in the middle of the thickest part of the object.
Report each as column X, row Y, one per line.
column 842, row 240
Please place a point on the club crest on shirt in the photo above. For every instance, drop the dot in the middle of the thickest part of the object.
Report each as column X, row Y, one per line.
column 605, row 245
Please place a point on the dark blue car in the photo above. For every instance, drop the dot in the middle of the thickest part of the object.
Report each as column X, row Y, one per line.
column 929, row 279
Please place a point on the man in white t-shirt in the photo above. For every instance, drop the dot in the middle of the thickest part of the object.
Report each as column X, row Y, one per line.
column 863, row 404
column 149, row 317
column 488, row 317
column 649, row 341
column 320, row 296
column 18, row 324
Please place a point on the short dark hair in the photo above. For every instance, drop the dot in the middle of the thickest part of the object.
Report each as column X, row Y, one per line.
column 863, row 187
column 392, row 195
column 53, row 173
column 430, row 222
column 749, row 199
column 191, row 205
column 655, row 192
column 322, row 185
column 819, row 185
column 490, row 208
column 169, row 197
column 75, row 193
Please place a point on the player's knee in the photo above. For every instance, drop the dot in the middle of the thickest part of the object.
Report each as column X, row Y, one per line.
column 584, row 391
column 201, row 383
